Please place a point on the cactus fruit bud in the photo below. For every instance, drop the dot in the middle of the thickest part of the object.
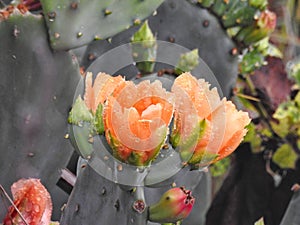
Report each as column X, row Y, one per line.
column 174, row 205
column 144, row 48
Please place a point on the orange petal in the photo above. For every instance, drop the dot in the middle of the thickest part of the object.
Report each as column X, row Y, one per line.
column 235, row 121
column 89, row 97
column 104, row 89
column 204, row 100
column 232, row 144
column 103, row 86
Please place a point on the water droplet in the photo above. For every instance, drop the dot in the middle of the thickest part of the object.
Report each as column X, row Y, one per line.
column 79, row 34
column 36, row 208
column 19, row 220
column 28, row 206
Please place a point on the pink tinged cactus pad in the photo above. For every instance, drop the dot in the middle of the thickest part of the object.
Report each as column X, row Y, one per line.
column 174, row 205
column 32, row 200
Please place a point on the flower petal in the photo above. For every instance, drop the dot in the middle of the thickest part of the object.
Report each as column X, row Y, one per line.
column 89, row 97
column 103, row 86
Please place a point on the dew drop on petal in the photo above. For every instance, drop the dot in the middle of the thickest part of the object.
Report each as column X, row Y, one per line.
column 28, row 206
column 36, row 208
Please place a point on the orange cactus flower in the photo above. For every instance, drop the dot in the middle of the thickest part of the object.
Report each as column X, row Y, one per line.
column 33, row 201
column 103, row 86
column 136, row 120
column 206, row 129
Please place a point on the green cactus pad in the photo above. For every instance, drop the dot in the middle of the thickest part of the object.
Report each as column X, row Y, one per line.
column 36, row 93
column 72, row 23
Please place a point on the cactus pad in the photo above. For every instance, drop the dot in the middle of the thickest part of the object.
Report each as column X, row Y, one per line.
column 36, row 93
column 76, row 23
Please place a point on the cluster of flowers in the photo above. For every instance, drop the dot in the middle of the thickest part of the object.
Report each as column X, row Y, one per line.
column 137, row 118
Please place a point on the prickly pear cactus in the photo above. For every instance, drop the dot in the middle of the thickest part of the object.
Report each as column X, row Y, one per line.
column 37, row 89
column 75, row 23
column 165, row 24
